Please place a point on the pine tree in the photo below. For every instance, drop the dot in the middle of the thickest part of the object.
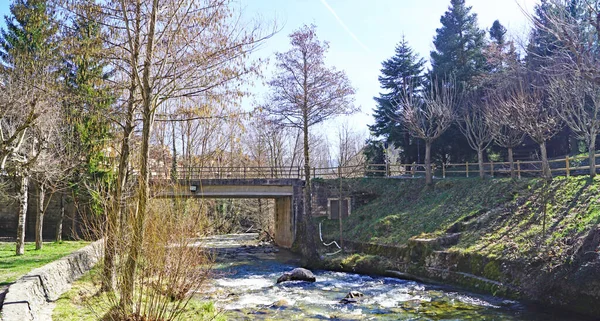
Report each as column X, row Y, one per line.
column 498, row 33
column 85, row 75
column 458, row 45
column 458, row 57
column 29, row 37
column 399, row 73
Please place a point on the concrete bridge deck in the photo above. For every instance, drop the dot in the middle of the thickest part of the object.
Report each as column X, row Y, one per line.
column 287, row 193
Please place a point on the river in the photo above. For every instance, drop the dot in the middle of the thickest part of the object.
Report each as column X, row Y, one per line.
column 243, row 287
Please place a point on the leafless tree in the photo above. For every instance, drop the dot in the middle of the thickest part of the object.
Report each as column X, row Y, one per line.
column 28, row 113
column 173, row 49
column 524, row 105
column 427, row 117
column 305, row 92
column 350, row 148
column 503, row 131
column 472, row 123
column 576, row 100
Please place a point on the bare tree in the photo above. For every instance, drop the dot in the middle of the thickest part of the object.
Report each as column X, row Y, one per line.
column 305, row 92
column 503, row 131
column 174, row 49
column 524, row 105
column 429, row 116
column 576, row 100
column 473, row 125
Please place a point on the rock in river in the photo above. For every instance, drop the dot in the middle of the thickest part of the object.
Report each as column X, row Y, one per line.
column 352, row 297
column 297, row 274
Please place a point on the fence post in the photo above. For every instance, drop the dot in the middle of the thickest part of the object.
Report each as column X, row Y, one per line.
column 467, row 169
column 387, row 169
column 443, row 170
column 492, row 168
column 519, row 169
column 314, row 172
column 567, row 167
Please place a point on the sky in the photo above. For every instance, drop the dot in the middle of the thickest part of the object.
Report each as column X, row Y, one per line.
column 362, row 34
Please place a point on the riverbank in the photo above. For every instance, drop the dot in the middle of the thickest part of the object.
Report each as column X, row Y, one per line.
column 524, row 239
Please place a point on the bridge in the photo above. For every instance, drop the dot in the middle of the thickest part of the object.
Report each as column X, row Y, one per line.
column 287, row 194
column 283, row 184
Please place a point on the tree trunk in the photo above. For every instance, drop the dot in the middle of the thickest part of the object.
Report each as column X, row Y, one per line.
column 546, row 173
column 480, row 162
column 428, row 173
column 23, row 194
column 511, row 162
column 148, row 100
column 61, row 218
column 39, row 218
column 592, row 155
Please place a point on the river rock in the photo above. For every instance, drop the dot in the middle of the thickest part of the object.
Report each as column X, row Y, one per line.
column 352, row 297
column 280, row 304
column 297, row 274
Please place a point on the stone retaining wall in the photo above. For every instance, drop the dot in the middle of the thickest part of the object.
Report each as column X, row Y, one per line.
column 27, row 298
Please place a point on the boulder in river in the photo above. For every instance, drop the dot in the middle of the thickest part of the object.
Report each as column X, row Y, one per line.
column 352, row 297
column 297, row 274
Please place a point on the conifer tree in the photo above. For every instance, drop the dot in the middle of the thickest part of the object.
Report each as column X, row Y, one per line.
column 28, row 53
column 402, row 71
column 458, row 45
column 458, row 55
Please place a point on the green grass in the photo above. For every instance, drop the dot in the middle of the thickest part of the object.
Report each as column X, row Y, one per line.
column 12, row 266
column 400, row 209
column 82, row 302
column 497, row 218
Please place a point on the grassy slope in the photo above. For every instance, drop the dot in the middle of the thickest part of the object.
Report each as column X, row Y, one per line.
column 500, row 216
column 12, row 267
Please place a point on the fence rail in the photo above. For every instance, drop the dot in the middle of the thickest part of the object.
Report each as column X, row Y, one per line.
column 578, row 165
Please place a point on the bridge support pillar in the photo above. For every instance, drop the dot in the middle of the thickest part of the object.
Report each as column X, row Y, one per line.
column 284, row 222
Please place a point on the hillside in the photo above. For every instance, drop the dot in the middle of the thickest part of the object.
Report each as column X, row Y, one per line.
column 488, row 235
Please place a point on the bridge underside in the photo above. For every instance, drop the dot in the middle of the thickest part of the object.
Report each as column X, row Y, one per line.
column 286, row 192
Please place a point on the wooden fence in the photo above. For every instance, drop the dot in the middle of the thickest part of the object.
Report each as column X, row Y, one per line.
column 567, row 166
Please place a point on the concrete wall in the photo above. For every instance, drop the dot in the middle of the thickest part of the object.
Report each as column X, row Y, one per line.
column 28, row 298
column 284, row 222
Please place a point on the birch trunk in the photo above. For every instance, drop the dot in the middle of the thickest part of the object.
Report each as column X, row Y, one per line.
column 59, row 224
column 39, row 218
column 23, row 194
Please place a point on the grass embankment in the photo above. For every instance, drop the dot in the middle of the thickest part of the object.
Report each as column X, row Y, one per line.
column 12, row 266
column 496, row 217
column 83, row 302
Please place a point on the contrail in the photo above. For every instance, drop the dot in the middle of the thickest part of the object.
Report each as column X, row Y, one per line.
column 339, row 20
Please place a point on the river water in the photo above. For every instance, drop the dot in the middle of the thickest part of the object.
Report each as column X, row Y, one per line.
column 244, row 288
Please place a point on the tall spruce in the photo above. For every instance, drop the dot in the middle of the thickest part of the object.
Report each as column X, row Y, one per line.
column 459, row 45
column 458, row 58
column 402, row 71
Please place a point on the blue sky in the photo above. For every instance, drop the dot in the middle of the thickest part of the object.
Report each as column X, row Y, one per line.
column 363, row 33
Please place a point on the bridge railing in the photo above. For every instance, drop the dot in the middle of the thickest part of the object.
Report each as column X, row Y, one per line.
column 567, row 166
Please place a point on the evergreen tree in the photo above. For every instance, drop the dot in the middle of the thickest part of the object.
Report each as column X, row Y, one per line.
column 498, row 33
column 400, row 74
column 29, row 37
column 458, row 57
column 88, row 97
column 459, row 45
